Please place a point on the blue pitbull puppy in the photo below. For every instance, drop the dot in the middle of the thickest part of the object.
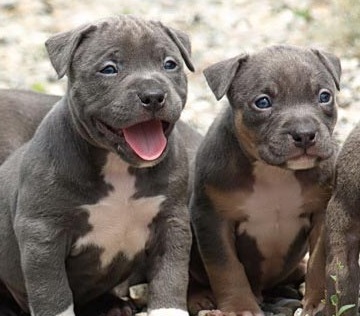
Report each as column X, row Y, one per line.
column 97, row 198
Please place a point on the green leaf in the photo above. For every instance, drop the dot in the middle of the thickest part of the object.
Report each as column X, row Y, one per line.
column 334, row 300
column 38, row 87
column 344, row 308
column 333, row 277
column 340, row 266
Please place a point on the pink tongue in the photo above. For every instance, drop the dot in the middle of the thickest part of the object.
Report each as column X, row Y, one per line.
column 147, row 139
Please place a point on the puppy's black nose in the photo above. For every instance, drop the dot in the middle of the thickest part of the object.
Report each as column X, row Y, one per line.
column 304, row 138
column 152, row 100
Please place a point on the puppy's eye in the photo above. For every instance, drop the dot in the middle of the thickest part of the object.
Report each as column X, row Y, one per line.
column 109, row 70
column 325, row 97
column 263, row 102
column 170, row 63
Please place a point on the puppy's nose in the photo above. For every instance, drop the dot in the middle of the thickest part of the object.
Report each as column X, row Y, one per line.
column 304, row 138
column 152, row 100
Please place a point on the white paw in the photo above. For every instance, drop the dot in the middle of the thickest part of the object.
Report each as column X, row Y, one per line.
column 168, row 312
column 68, row 312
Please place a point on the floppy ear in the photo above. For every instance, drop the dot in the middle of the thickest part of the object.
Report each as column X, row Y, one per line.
column 220, row 75
column 331, row 63
column 182, row 41
column 62, row 46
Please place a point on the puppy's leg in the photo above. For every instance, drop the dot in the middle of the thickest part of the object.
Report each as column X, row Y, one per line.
column 315, row 276
column 342, row 245
column 169, row 254
column 200, row 296
column 43, row 250
column 226, row 273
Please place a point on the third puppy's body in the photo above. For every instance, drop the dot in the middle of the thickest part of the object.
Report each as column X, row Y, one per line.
column 263, row 176
column 21, row 112
column 342, row 229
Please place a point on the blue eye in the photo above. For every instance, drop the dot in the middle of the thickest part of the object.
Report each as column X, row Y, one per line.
column 109, row 70
column 325, row 97
column 170, row 64
column 263, row 102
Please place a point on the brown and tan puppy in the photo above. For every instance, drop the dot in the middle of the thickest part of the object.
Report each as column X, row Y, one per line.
column 263, row 177
column 342, row 229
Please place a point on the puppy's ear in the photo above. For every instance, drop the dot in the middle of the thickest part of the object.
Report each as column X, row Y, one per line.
column 220, row 75
column 331, row 63
column 182, row 41
column 62, row 46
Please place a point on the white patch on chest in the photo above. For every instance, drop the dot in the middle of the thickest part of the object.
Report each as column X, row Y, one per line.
column 119, row 222
column 272, row 212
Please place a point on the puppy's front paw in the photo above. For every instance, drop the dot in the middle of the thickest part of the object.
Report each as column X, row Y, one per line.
column 168, row 312
column 220, row 313
column 201, row 300
column 245, row 306
column 311, row 307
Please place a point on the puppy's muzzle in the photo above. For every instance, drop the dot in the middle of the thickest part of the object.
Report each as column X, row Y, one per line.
column 304, row 139
column 152, row 99
column 303, row 134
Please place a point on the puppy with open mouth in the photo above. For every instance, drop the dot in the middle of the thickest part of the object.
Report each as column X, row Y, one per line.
column 97, row 198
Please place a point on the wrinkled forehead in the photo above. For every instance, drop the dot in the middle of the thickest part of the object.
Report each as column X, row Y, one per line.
column 291, row 71
column 127, row 35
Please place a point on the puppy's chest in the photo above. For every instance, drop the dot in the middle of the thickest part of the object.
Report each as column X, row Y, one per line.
column 119, row 222
column 274, row 210
column 272, row 214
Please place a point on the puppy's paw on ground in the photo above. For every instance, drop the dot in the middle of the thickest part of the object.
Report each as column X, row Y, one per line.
column 201, row 301
column 311, row 308
column 220, row 313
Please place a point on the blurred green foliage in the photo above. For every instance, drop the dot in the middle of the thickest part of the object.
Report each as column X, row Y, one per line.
column 38, row 87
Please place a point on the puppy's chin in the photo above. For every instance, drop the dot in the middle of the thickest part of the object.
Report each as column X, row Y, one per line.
column 134, row 160
column 301, row 163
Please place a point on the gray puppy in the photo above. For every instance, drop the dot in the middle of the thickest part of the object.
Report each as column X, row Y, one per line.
column 21, row 112
column 342, row 230
column 263, row 178
column 99, row 193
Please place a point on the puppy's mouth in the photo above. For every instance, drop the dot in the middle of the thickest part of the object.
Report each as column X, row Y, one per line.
column 147, row 139
column 302, row 162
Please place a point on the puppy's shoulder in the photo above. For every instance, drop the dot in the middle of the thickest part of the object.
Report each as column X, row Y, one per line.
column 348, row 163
column 220, row 158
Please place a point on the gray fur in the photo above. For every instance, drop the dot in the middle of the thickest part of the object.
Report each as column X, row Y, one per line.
column 21, row 113
column 342, row 228
column 46, row 183
column 244, row 136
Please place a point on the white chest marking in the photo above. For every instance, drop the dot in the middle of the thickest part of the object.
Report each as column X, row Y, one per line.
column 120, row 222
column 273, row 211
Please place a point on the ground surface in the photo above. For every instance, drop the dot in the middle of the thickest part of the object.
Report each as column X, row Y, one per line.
column 218, row 29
